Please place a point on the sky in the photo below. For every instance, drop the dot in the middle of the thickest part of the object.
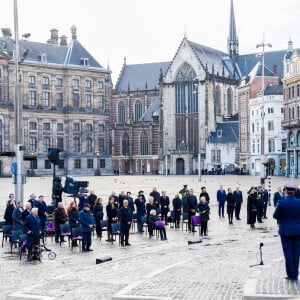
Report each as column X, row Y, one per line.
column 146, row 31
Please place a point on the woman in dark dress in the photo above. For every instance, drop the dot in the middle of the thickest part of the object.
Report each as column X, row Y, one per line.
column 9, row 212
column 112, row 217
column 251, row 207
column 203, row 210
column 177, row 210
column 149, row 206
column 73, row 218
column 230, row 205
column 98, row 215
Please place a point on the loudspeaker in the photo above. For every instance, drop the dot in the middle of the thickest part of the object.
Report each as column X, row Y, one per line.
column 194, row 242
column 103, row 259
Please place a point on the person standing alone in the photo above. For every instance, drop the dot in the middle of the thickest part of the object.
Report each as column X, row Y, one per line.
column 287, row 213
column 125, row 215
column 86, row 224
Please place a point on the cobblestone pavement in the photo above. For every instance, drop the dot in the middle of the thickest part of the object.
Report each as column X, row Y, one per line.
column 216, row 268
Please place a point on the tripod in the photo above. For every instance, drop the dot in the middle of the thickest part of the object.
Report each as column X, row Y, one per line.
column 260, row 252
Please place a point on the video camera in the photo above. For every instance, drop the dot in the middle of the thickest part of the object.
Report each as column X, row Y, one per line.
column 73, row 187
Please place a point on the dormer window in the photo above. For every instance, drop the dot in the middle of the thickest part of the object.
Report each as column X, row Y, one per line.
column 43, row 57
column 219, row 133
column 85, row 61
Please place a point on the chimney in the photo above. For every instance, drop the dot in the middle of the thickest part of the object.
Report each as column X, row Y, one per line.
column 54, row 36
column 63, row 40
column 275, row 70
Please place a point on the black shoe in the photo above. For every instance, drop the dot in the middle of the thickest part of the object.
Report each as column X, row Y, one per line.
column 108, row 240
column 89, row 249
column 127, row 244
column 291, row 278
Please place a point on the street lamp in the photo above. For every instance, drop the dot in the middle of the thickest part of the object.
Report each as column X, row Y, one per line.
column 262, row 45
column 97, row 171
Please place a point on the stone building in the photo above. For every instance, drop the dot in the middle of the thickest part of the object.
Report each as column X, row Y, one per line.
column 64, row 92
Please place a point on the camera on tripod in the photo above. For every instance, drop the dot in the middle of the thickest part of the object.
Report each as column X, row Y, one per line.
column 74, row 187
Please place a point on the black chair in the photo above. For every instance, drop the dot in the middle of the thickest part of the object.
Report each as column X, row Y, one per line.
column 184, row 220
column 49, row 229
column 15, row 238
column 145, row 225
column 65, row 232
column 115, row 230
column 6, row 233
column 133, row 222
column 76, row 236
column 2, row 223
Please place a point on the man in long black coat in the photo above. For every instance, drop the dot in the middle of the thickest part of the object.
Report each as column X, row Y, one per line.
column 238, row 198
column 125, row 215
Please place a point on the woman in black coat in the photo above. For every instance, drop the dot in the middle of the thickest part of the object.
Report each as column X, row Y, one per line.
column 150, row 206
column 98, row 215
column 230, row 205
column 164, row 205
column 203, row 210
column 251, row 207
column 73, row 218
column 177, row 210
column 9, row 212
column 112, row 216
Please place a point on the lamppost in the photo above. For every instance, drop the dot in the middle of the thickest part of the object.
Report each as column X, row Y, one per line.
column 262, row 45
column 97, row 171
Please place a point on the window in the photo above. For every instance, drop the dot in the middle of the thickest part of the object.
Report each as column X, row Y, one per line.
column 253, row 146
column 59, row 82
column 137, row 110
column 77, row 145
column 282, row 110
column 121, row 113
column 85, row 61
column 219, row 133
column 270, row 125
column 1, row 147
column 60, row 143
column 100, row 85
column 90, row 163
column 229, row 102
column 252, row 126
column 45, row 81
column 216, row 155
column 88, row 84
column 45, row 98
column 77, row 163
column 271, row 145
column 88, row 101
column 46, row 144
column 47, row 164
column 144, row 144
column 100, row 101
column 89, row 145
column 101, row 145
column 76, row 127
column 298, row 139
column 258, row 146
column 46, row 126
column 59, row 100
column 89, row 127
column 102, row 163
column 270, row 110
column 32, row 97
column 101, row 127
column 75, row 98
column 32, row 144
column 125, row 144
column 32, row 125
column 60, row 126
column 75, row 83
column 31, row 80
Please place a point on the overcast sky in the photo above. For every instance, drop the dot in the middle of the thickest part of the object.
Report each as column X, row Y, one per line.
column 151, row 31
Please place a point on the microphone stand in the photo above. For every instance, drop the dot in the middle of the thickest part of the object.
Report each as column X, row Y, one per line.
column 261, row 261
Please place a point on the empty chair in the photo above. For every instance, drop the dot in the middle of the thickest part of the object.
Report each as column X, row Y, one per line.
column 65, row 232
column 15, row 238
column 133, row 222
column 50, row 229
column 115, row 230
column 195, row 222
column 76, row 236
column 185, row 217
column 6, row 233
column 145, row 225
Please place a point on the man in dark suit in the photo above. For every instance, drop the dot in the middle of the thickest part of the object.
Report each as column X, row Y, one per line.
column 278, row 196
column 125, row 215
column 287, row 214
column 191, row 206
column 238, row 198
column 265, row 197
column 221, row 198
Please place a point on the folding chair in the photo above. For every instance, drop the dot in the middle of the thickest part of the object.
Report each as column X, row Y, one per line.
column 184, row 220
column 50, row 229
column 195, row 222
column 145, row 225
column 6, row 233
column 65, row 231
column 76, row 236
column 115, row 230
column 15, row 238
column 133, row 222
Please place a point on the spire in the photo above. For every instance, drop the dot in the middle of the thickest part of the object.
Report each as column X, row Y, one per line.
column 290, row 45
column 233, row 42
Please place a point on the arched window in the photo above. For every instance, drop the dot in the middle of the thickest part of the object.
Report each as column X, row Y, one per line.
column 144, row 144
column 138, row 110
column 125, row 144
column 89, row 145
column 218, row 107
column 298, row 139
column 229, row 102
column 291, row 139
column 77, row 145
column 121, row 113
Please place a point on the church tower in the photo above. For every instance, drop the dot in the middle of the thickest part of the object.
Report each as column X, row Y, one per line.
column 232, row 42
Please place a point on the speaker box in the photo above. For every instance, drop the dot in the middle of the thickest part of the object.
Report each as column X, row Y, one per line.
column 103, row 259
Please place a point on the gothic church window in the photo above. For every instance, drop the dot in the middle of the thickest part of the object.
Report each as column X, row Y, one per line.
column 137, row 110
column 121, row 113
column 144, row 144
column 218, row 101
column 125, row 144
column 229, row 102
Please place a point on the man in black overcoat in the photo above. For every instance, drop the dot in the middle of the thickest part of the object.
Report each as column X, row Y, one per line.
column 125, row 215
column 238, row 198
